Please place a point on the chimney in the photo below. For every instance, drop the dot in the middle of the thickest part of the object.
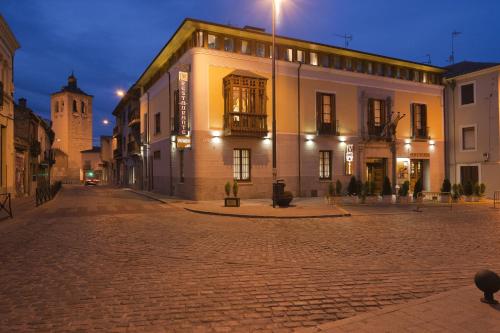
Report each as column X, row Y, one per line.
column 22, row 102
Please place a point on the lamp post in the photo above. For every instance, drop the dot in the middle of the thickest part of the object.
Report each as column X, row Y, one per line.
column 273, row 54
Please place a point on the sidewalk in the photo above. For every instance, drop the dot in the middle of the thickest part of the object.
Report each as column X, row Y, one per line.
column 255, row 208
column 20, row 206
column 455, row 311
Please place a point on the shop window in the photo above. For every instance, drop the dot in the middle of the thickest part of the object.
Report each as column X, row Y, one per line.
column 469, row 138
column 313, row 59
column 212, row 42
column 419, row 121
column 325, row 164
column 325, row 113
column 157, row 123
column 300, row 56
column 260, row 50
column 467, row 94
column 376, row 116
column 241, row 164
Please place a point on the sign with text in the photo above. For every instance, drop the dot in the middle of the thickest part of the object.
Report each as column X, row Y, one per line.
column 349, row 159
column 183, row 142
column 183, row 124
column 420, row 155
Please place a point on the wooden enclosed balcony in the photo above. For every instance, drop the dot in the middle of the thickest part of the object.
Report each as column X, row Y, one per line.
column 134, row 117
column 245, row 124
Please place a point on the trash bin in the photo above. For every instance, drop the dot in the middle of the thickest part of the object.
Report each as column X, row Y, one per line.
column 278, row 190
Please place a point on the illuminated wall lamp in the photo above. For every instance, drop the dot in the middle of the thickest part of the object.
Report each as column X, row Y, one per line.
column 309, row 138
column 432, row 143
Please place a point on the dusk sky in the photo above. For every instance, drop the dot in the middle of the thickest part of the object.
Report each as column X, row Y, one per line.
column 109, row 43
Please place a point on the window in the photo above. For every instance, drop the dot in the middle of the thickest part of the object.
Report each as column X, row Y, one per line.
column 416, row 76
column 379, row 68
column 260, row 50
column 82, row 107
column 359, row 66
column 325, row 104
column 212, row 42
column 56, row 107
column 241, row 164
column 348, row 64
column 337, row 63
column 469, row 138
column 369, row 68
column 157, row 123
column 86, row 165
column 157, row 155
column 75, row 108
column 389, row 71
column 325, row 60
column 425, row 77
column 245, row 47
column 376, row 116
column 419, row 121
column 199, row 38
column 313, row 59
column 325, row 164
column 228, row 44
column 467, row 94
column 300, row 56
column 289, row 54
column 181, row 166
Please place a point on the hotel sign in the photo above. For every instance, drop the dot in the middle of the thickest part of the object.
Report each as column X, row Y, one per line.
column 183, row 142
column 420, row 155
column 183, row 124
column 349, row 159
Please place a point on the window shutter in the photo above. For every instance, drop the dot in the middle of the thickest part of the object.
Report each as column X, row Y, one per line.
column 333, row 107
column 383, row 113
column 423, row 118
column 371, row 115
column 319, row 112
column 1, row 93
column 412, row 120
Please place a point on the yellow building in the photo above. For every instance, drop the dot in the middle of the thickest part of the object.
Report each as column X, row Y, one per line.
column 8, row 47
column 206, row 115
column 71, row 113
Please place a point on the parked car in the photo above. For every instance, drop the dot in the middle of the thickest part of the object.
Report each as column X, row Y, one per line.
column 91, row 182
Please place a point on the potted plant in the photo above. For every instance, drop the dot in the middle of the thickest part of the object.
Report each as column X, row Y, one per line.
column 482, row 189
column 285, row 199
column 352, row 190
column 477, row 193
column 338, row 187
column 456, row 192
column 417, row 190
column 403, row 193
column 468, row 191
column 229, row 201
column 445, row 195
column 331, row 194
column 386, row 191
column 361, row 193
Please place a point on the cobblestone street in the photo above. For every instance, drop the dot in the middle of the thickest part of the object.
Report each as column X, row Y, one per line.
column 103, row 259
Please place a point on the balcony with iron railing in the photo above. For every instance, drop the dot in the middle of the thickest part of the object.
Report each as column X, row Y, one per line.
column 133, row 148
column 134, row 117
column 245, row 124
column 329, row 129
column 420, row 133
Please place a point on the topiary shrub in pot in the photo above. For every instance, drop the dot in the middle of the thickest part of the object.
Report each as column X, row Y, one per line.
column 445, row 195
column 482, row 189
column 456, row 192
column 403, row 193
column 229, row 201
column 418, row 189
column 338, row 187
column 352, row 187
column 477, row 192
column 386, row 191
column 468, row 190
column 285, row 199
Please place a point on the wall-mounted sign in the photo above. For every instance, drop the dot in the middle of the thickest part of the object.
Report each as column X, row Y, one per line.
column 183, row 142
column 349, row 159
column 420, row 155
column 183, row 103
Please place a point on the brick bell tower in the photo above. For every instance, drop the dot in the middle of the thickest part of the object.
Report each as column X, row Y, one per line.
column 71, row 113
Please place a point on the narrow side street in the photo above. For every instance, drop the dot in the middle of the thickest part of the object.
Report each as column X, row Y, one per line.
column 105, row 259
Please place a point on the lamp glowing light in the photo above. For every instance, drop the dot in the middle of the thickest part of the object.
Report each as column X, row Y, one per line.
column 105, row 122
column 120, row 93
column 432, row 142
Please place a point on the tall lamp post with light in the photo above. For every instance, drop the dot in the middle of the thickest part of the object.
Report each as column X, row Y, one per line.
column 273, row 54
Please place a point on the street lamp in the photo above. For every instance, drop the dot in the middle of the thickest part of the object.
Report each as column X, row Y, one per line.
column 120, row 93
column 105, row 122
column 276, row 3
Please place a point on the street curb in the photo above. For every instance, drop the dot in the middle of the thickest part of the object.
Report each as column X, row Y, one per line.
column 146, row 195
column 250, row 216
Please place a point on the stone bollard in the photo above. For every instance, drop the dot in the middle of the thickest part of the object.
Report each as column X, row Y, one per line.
column 489, row 283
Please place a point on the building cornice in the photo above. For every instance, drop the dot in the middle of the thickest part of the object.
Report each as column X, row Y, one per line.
column 8, row 36
column 474, row 74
